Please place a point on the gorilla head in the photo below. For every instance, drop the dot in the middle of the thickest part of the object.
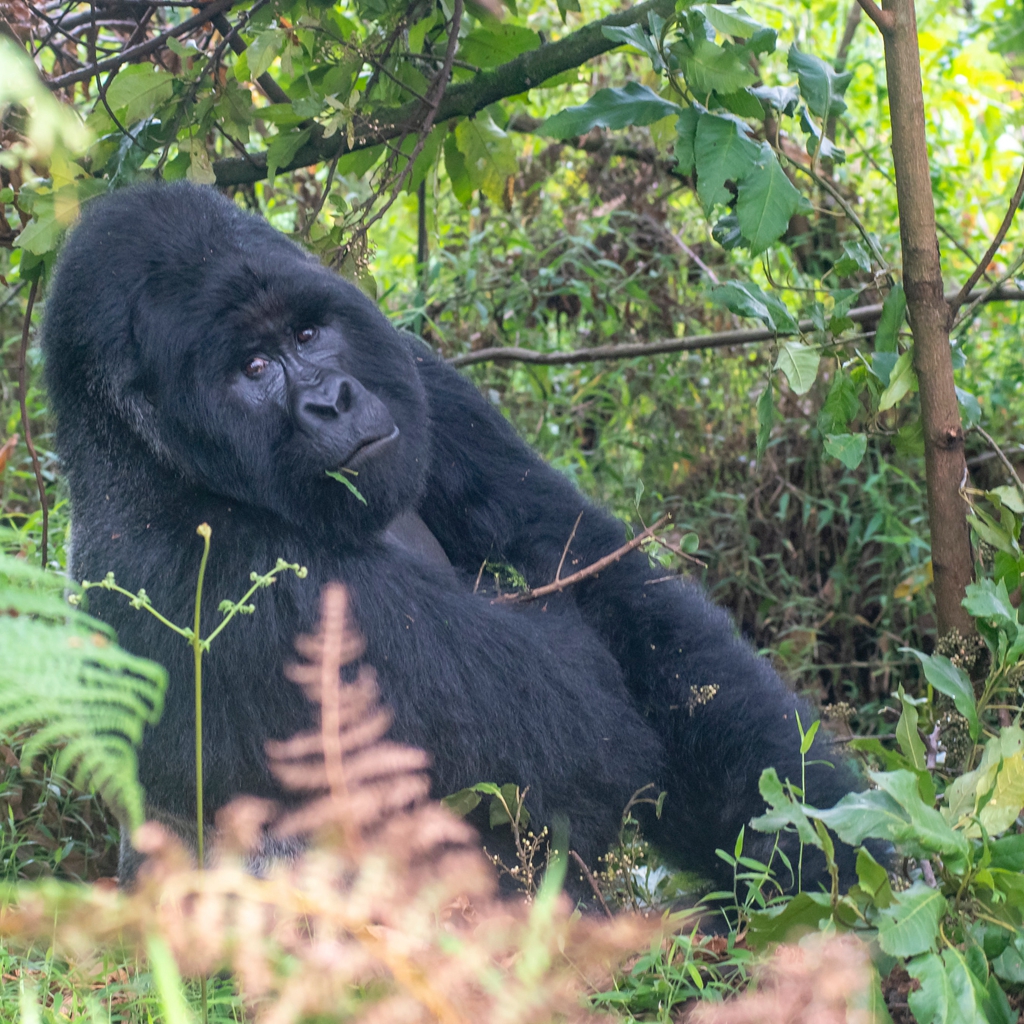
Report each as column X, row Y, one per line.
column 246, row 368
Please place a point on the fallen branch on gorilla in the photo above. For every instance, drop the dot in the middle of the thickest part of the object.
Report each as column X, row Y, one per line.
column 203, row 368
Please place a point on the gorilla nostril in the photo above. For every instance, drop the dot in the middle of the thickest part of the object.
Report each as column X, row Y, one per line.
column 344, row 402
column 320, row 410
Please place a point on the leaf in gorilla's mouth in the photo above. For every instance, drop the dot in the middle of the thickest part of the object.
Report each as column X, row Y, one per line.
column 370, row 448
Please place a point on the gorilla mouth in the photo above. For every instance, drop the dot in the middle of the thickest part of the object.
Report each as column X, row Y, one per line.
column 370, row 448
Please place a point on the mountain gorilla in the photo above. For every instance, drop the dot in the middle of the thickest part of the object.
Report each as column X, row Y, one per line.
column 203, row 368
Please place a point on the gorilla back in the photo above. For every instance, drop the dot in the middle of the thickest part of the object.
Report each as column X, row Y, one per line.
column 204, row 369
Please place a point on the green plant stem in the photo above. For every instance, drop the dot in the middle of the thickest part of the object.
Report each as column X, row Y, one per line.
column 204, row 531
column 86, row 585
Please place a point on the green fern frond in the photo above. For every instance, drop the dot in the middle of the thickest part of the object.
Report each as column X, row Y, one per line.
column 63, row 677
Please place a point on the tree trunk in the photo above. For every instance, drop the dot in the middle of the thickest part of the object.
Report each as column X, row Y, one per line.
column 929, row 316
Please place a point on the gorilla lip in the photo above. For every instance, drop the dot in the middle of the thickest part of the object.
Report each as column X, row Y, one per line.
column 368, row 449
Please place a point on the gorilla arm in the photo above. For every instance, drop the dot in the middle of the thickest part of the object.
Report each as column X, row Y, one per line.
column 722, row 712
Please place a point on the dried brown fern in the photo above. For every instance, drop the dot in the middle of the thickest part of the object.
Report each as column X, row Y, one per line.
column 388, row 915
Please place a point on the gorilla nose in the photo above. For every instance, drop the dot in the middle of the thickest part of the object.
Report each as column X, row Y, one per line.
column 331, row 399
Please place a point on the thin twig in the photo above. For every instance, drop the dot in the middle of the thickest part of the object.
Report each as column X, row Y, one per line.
column 590, row 570
column 590, row 878
column 565, row 550
column 696, row 343
column 22, row 396
column 882, row 19
column 983, row 263
column 1002, row 457
column 323, row 196
column 433, row 100
column 131, row 53
column 677, row 550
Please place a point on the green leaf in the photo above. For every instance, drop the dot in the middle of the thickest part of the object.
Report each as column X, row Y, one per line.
column 902, row 380
column 1008, row 853
column 782, row 98
column 1009, row 965
column 497, row 44
column 722, row 152
column 804, row 912
column 821, row 86
column 934, row 1002
column 765, row 419
column 855, row 257
column 731, row 21
column 766, row 201
column 343, row 479
column 849, row 449
column 742, row 103
column 906, row 732
column 138, row 90
column 991, row 602
column 744, row 298
column 263, row 50
column 1010, row 497
column 970, row 405
column 911, row 924
column 633, row 104
column 686, row 135
column 63, row 676
column 951, row 680
column 929, row 831
column 634, row 35
column 564, row 6
column 894, row 309
column 490, row 155
column 284, row 147
column 799, row 363
column 708, row 67
column 784, row 810
column 994, row 791
column 873, row 879
column 455, row 166
column 462, row 802
column 841, row 405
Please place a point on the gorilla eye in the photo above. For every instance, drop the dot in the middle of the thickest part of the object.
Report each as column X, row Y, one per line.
column 254, row 366
column 306, row 334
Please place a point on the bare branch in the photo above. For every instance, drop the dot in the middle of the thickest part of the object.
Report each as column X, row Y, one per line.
column 23, row 402
column 979, row 270
column 882, row 19
column 697, row 343
column 590, row 570
column 133, row 53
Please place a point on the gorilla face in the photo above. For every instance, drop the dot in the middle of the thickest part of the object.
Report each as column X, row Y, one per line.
column 252, row 372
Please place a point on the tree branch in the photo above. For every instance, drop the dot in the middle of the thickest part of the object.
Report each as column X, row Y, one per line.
column 882, row 19
column 464, row 99
column 132, row 53
column 697, row 343
column 590, row 570
column 979, row 270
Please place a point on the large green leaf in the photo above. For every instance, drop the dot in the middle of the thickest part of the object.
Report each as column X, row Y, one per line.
column 732, row 21
column 282, row 149
column 784, row 810
column 951, row 680
column 911, row 924
column 686, row 137
column 497, row 44
column 138, row 90
column 799, row 363
column 889, row 323
column 935, row 1001
column 744, row 298
column 821, row 86
column 902, row 380
column 994, row 791
column 633, row 104
column 841, row 405
column 490, row 155
column 849, row 449
column 766, row 202
column 708, row 67
column 634, row 35
column 722, row 152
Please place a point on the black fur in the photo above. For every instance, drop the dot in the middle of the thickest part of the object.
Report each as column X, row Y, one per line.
column 160, row 295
